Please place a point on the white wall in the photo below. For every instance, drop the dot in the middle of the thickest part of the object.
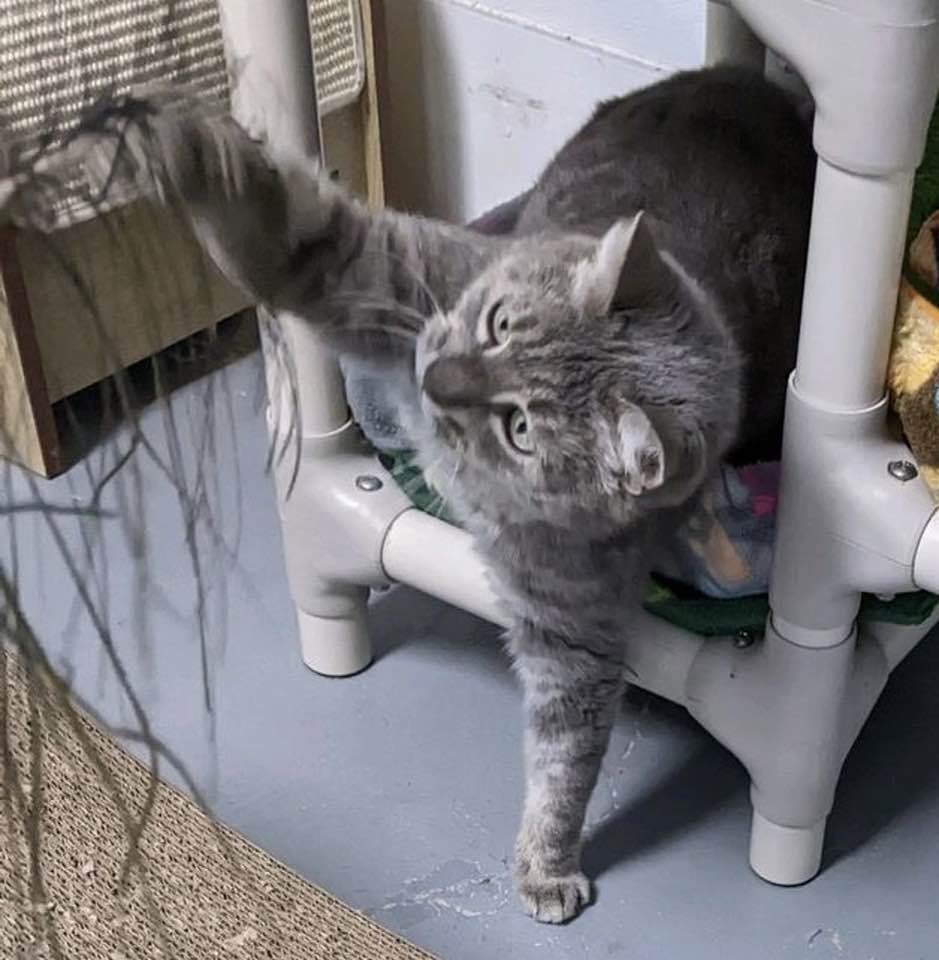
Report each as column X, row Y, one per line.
column 666, row 33
column 481, row 94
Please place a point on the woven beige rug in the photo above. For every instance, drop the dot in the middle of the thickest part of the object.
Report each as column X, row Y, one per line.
column 199, row 891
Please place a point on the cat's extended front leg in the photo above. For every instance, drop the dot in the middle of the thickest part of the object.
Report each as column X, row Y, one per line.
column 571, row 694
column 279, row 229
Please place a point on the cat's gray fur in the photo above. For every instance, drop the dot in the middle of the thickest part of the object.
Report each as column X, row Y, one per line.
column 640, row 350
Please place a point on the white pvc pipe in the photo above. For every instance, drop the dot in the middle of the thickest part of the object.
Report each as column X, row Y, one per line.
column 269, row 52
column 786, row 856
column 855, row 253
column 728, row 39
column 872, row 66
column 660, row 656
column 926, row 558
column 439, row 559
column 270, row 59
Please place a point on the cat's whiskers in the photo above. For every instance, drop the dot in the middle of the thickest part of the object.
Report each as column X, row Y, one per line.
column 444, row 492
column 428, row 473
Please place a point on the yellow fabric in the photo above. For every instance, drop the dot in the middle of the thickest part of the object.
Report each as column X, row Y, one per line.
column 914, row 364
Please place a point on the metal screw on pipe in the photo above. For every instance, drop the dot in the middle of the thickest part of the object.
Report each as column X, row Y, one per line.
column 902, row 470
column 368, row 483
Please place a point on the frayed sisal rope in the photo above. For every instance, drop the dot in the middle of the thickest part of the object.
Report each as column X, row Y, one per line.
column 28, row 199
column 107, row 153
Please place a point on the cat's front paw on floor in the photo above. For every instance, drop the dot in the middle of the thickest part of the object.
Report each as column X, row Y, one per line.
column 553, row 899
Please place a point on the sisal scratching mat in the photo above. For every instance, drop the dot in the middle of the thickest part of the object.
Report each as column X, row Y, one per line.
column 199, row 892
column 58, row 56
column 338, row 53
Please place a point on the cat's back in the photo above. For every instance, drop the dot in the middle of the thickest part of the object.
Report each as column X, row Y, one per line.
column 723, row 162
column 702, row 150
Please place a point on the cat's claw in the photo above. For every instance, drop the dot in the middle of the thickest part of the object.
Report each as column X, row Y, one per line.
column 553, row 899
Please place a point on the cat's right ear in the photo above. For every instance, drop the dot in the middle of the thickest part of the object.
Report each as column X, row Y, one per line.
column 625, row 272
column 684, row 460
column 641, row 451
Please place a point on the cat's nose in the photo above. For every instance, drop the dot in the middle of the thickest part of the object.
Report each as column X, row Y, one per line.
column 455, row 382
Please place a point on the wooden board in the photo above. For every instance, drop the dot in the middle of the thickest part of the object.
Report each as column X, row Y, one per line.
column 351, row 136
column 108, row 292
column 27, row 427
column 370, row 105
column 83, row 302
column 342, row 142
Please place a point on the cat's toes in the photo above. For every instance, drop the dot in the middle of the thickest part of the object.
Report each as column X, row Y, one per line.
column 553, row 899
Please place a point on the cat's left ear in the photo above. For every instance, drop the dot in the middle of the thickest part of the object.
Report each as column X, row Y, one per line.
column 641, row 450
column 625, row 272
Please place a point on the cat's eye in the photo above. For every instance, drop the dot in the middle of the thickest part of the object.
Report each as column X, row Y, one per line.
column 498, row 325
column 517, row 431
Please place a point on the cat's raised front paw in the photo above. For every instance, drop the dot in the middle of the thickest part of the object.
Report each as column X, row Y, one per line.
column 553, row 899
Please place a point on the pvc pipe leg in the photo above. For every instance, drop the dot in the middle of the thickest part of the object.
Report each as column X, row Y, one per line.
column 873, row 67
column 336, row 646
column 728, row 39
column 330, row 554
column 853, row 272
column 797, row 761
column 786, row 856
column 789, row 709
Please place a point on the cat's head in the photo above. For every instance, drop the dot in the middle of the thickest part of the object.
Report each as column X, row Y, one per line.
column 562, row 384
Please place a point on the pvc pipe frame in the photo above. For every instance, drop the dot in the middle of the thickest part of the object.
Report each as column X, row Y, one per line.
column 788, row 705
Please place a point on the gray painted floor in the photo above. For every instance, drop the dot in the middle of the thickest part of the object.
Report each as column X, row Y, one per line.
column 398, row 789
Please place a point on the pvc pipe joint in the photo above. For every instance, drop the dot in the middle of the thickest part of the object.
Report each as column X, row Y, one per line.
column 872, row 66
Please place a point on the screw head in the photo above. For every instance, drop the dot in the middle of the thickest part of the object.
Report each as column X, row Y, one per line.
column 744, row 639
column 902, row 470
column 368, row 483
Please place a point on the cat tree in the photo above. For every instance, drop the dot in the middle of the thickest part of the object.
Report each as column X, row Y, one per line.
column 853, row 515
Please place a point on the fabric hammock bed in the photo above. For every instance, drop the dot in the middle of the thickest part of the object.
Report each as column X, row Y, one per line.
column 677, row 602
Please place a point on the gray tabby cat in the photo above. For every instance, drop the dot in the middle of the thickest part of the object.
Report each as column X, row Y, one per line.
column 570, row 387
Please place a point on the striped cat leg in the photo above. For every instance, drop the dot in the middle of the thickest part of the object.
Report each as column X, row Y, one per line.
column 571, row 695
